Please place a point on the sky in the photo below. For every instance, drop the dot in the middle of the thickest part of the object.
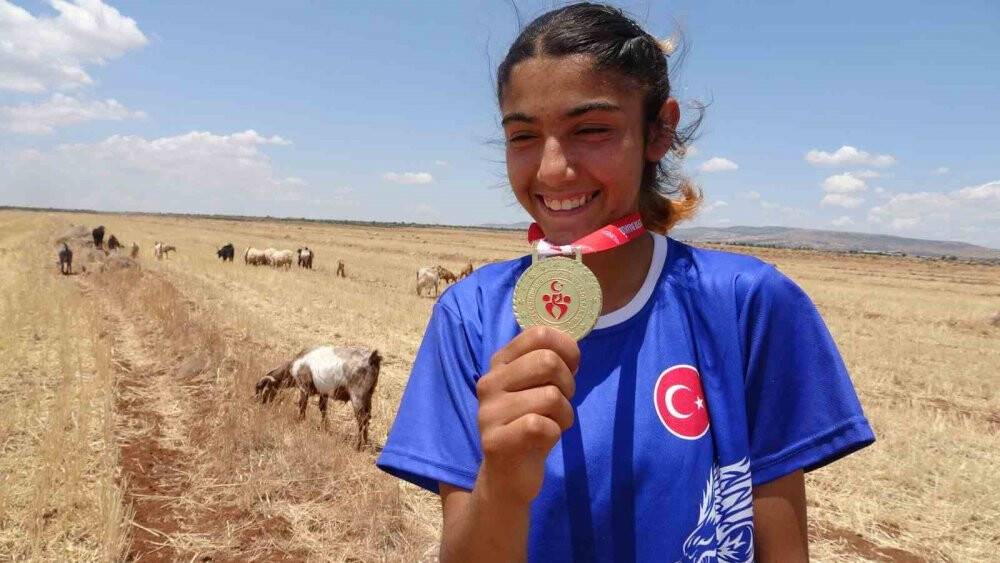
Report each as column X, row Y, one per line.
column 874, row 117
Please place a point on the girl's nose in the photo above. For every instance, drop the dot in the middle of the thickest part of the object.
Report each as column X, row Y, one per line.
column 554, row 168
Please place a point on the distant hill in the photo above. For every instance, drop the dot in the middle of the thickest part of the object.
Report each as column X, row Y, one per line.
column 786, row 237
column 816, row 239
column 522, row 225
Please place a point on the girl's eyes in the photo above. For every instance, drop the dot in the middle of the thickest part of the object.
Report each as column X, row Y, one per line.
column 585, row 131
column 519, row 137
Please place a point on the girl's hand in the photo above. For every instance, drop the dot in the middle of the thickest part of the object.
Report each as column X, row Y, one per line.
column 524, row 407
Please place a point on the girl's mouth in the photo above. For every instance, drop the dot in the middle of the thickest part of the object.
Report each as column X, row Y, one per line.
column 567, row 204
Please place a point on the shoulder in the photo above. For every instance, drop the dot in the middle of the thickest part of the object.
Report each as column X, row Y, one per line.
column 715, row 269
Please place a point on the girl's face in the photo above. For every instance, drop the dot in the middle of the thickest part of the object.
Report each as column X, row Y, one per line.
column 575, row 144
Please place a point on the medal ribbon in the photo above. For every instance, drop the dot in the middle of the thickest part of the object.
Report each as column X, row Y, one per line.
column 624, row 230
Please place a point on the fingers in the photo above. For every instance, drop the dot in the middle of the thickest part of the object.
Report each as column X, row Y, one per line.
column 547, row 401
column 538, row 338
column 529, row 432
column 534, row 369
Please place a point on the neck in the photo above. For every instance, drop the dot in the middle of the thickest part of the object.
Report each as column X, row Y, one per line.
column 621, row 271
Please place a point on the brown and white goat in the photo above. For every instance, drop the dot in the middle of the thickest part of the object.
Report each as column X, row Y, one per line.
column 346, row 374
column 306, row 258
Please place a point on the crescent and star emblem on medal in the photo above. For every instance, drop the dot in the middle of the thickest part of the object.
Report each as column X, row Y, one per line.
column 680, row 402
column 560, row 292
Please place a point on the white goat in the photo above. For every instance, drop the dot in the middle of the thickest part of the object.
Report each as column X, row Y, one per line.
column 269, row 255
column 283, row 258
column 346, row 374
column 254, row 257
column 427, row 277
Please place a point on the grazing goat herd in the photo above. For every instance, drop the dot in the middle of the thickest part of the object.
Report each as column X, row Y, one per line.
column 345, row 374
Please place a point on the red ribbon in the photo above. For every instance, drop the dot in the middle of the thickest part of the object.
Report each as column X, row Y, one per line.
column 624, row 230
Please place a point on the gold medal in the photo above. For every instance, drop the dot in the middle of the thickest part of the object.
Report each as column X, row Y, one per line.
column 559, row 292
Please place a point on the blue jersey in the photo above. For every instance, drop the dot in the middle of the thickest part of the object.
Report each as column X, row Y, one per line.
column 719, row 375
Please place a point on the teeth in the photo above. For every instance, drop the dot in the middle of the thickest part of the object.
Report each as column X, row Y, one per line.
column 565, row 204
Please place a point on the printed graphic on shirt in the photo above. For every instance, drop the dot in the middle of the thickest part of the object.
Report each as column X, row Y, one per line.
column 680, row 402
column 725, row 517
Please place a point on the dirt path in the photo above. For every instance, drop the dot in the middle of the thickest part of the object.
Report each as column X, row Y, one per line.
column 153, row 448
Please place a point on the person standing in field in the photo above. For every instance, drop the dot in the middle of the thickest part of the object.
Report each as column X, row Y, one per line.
column 680, row 427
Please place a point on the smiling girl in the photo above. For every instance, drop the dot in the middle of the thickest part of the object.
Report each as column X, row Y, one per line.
column 679, row 428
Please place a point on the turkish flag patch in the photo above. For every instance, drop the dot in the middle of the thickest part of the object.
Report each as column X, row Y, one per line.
column 680, row 402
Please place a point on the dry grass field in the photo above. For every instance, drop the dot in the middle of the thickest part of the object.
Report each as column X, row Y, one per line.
column 128, row 428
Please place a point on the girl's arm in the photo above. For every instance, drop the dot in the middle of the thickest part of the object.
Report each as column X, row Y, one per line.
column 779, row 520
column 476, row 530
column 523, row 410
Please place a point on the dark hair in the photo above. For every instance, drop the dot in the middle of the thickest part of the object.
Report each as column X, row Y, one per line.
column 618, row 44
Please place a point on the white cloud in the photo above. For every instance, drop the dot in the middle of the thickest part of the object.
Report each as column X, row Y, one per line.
column 848, row 155
column 408, row 177
column 39, row 53
column 973, row 210
column 712, row 206
column 752, row 195
column 441, row 162
column 844, row 184
column 842, row 221
column 251, row 137
column 718, row 164
column 196, row 171
column 866, row 174
column 61, row 110
column 842, row 200
column 942, row 170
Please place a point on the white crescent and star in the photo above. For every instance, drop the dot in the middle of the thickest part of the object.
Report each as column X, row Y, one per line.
column 670, row 401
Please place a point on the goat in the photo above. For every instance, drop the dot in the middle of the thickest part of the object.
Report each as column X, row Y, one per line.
column 269, row 255
column 160, row 250
column 254, row 257
column 427, row 277
column 113, row 243
column 340, row 269
column 346, row 374
column 306, row 258
column 466, row 271
column 98, row 235
column 282, row 258
column 446, row 275
column 226, row 252
column 66, row 260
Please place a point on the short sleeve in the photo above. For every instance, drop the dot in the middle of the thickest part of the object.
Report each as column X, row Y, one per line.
column 435, row 436
column 802, row 408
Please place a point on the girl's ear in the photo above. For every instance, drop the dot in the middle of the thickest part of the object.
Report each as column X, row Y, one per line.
column 661, row 133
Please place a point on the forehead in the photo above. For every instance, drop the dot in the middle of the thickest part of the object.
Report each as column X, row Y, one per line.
column 541, row 85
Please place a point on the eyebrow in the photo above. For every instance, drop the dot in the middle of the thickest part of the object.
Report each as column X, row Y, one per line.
column 575, row 112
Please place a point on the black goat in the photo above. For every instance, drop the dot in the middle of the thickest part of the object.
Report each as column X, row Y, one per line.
column 226, row 252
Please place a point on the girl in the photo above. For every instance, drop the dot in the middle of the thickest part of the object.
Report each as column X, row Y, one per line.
column 680, row 427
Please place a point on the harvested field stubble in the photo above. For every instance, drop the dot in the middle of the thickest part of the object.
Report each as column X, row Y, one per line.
column 186, row 338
